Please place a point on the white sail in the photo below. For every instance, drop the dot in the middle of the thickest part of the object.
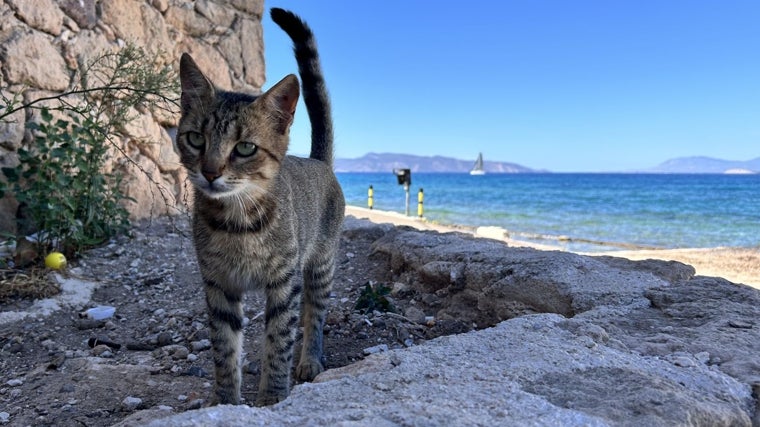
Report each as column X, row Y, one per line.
column 477, row 169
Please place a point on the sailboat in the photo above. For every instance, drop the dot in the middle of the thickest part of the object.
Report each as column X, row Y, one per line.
column 477, row 168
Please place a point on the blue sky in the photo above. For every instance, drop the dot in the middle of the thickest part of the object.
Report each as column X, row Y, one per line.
column 567, row 86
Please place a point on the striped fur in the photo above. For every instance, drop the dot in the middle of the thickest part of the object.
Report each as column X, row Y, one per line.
column 314, row 88
column 262, row 217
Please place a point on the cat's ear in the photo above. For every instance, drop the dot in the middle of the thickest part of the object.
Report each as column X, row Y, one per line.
column 282, row 99
column 195, row 86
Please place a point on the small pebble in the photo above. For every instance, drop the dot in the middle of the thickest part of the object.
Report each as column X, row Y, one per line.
column 131, row 403
column 180, row 352
column 415, row 315
column 56, row 361
column 100, row 350
column 195, row 404
column 399, row 288
column 431, row 300
column 15, row 382
column 196, row 371
column 376, row 349
column 403, row 333
column 5, row 417
column 164, row 338
column 684, row 362
column 85, row 324
column 200, row 345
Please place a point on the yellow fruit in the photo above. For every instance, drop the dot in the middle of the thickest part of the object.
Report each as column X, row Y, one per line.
column 55, row 260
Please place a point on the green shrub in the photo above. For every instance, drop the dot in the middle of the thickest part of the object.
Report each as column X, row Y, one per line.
column 374, row 298
column 60, row 182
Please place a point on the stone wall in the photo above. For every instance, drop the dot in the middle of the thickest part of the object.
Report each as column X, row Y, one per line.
column 42, row 43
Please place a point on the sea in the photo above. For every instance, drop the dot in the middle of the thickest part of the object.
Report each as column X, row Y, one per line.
column 586, row 212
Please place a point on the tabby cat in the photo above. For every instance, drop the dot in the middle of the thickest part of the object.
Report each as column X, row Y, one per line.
column 261, row 216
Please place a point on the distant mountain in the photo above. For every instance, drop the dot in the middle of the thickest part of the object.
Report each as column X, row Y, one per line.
column 700, row 164
column 386, row 162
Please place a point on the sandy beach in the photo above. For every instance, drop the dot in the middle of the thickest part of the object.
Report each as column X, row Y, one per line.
column 739, row 265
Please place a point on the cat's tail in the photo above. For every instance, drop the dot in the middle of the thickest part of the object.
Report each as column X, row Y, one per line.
column 315, row 93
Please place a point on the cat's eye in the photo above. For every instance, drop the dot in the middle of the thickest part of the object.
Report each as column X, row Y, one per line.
column 195, row 139
column 245, row 149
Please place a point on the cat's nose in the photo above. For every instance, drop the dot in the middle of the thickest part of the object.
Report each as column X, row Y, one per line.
column 211, row 176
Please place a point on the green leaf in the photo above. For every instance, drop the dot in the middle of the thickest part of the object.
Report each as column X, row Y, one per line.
column 11, row 174
column 45, row 114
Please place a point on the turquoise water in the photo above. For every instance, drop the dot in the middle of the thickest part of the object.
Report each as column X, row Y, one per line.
column 583, row 211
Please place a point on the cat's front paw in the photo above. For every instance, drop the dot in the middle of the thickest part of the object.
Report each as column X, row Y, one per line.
column 308, row 369
column 222, row 397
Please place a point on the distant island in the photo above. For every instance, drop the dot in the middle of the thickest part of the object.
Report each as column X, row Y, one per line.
column 701, row 164
column 384, row 162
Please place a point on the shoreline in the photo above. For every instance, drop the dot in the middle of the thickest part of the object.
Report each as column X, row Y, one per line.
column 738, row 265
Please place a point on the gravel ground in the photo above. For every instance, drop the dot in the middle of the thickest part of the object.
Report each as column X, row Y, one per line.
column 64, row 369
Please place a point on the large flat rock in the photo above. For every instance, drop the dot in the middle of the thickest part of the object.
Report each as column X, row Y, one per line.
column 535, row 370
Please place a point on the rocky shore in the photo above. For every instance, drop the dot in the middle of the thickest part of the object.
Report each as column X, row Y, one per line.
column 739, row 265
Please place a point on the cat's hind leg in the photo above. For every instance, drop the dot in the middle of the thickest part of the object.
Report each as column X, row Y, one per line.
column 318, row 276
